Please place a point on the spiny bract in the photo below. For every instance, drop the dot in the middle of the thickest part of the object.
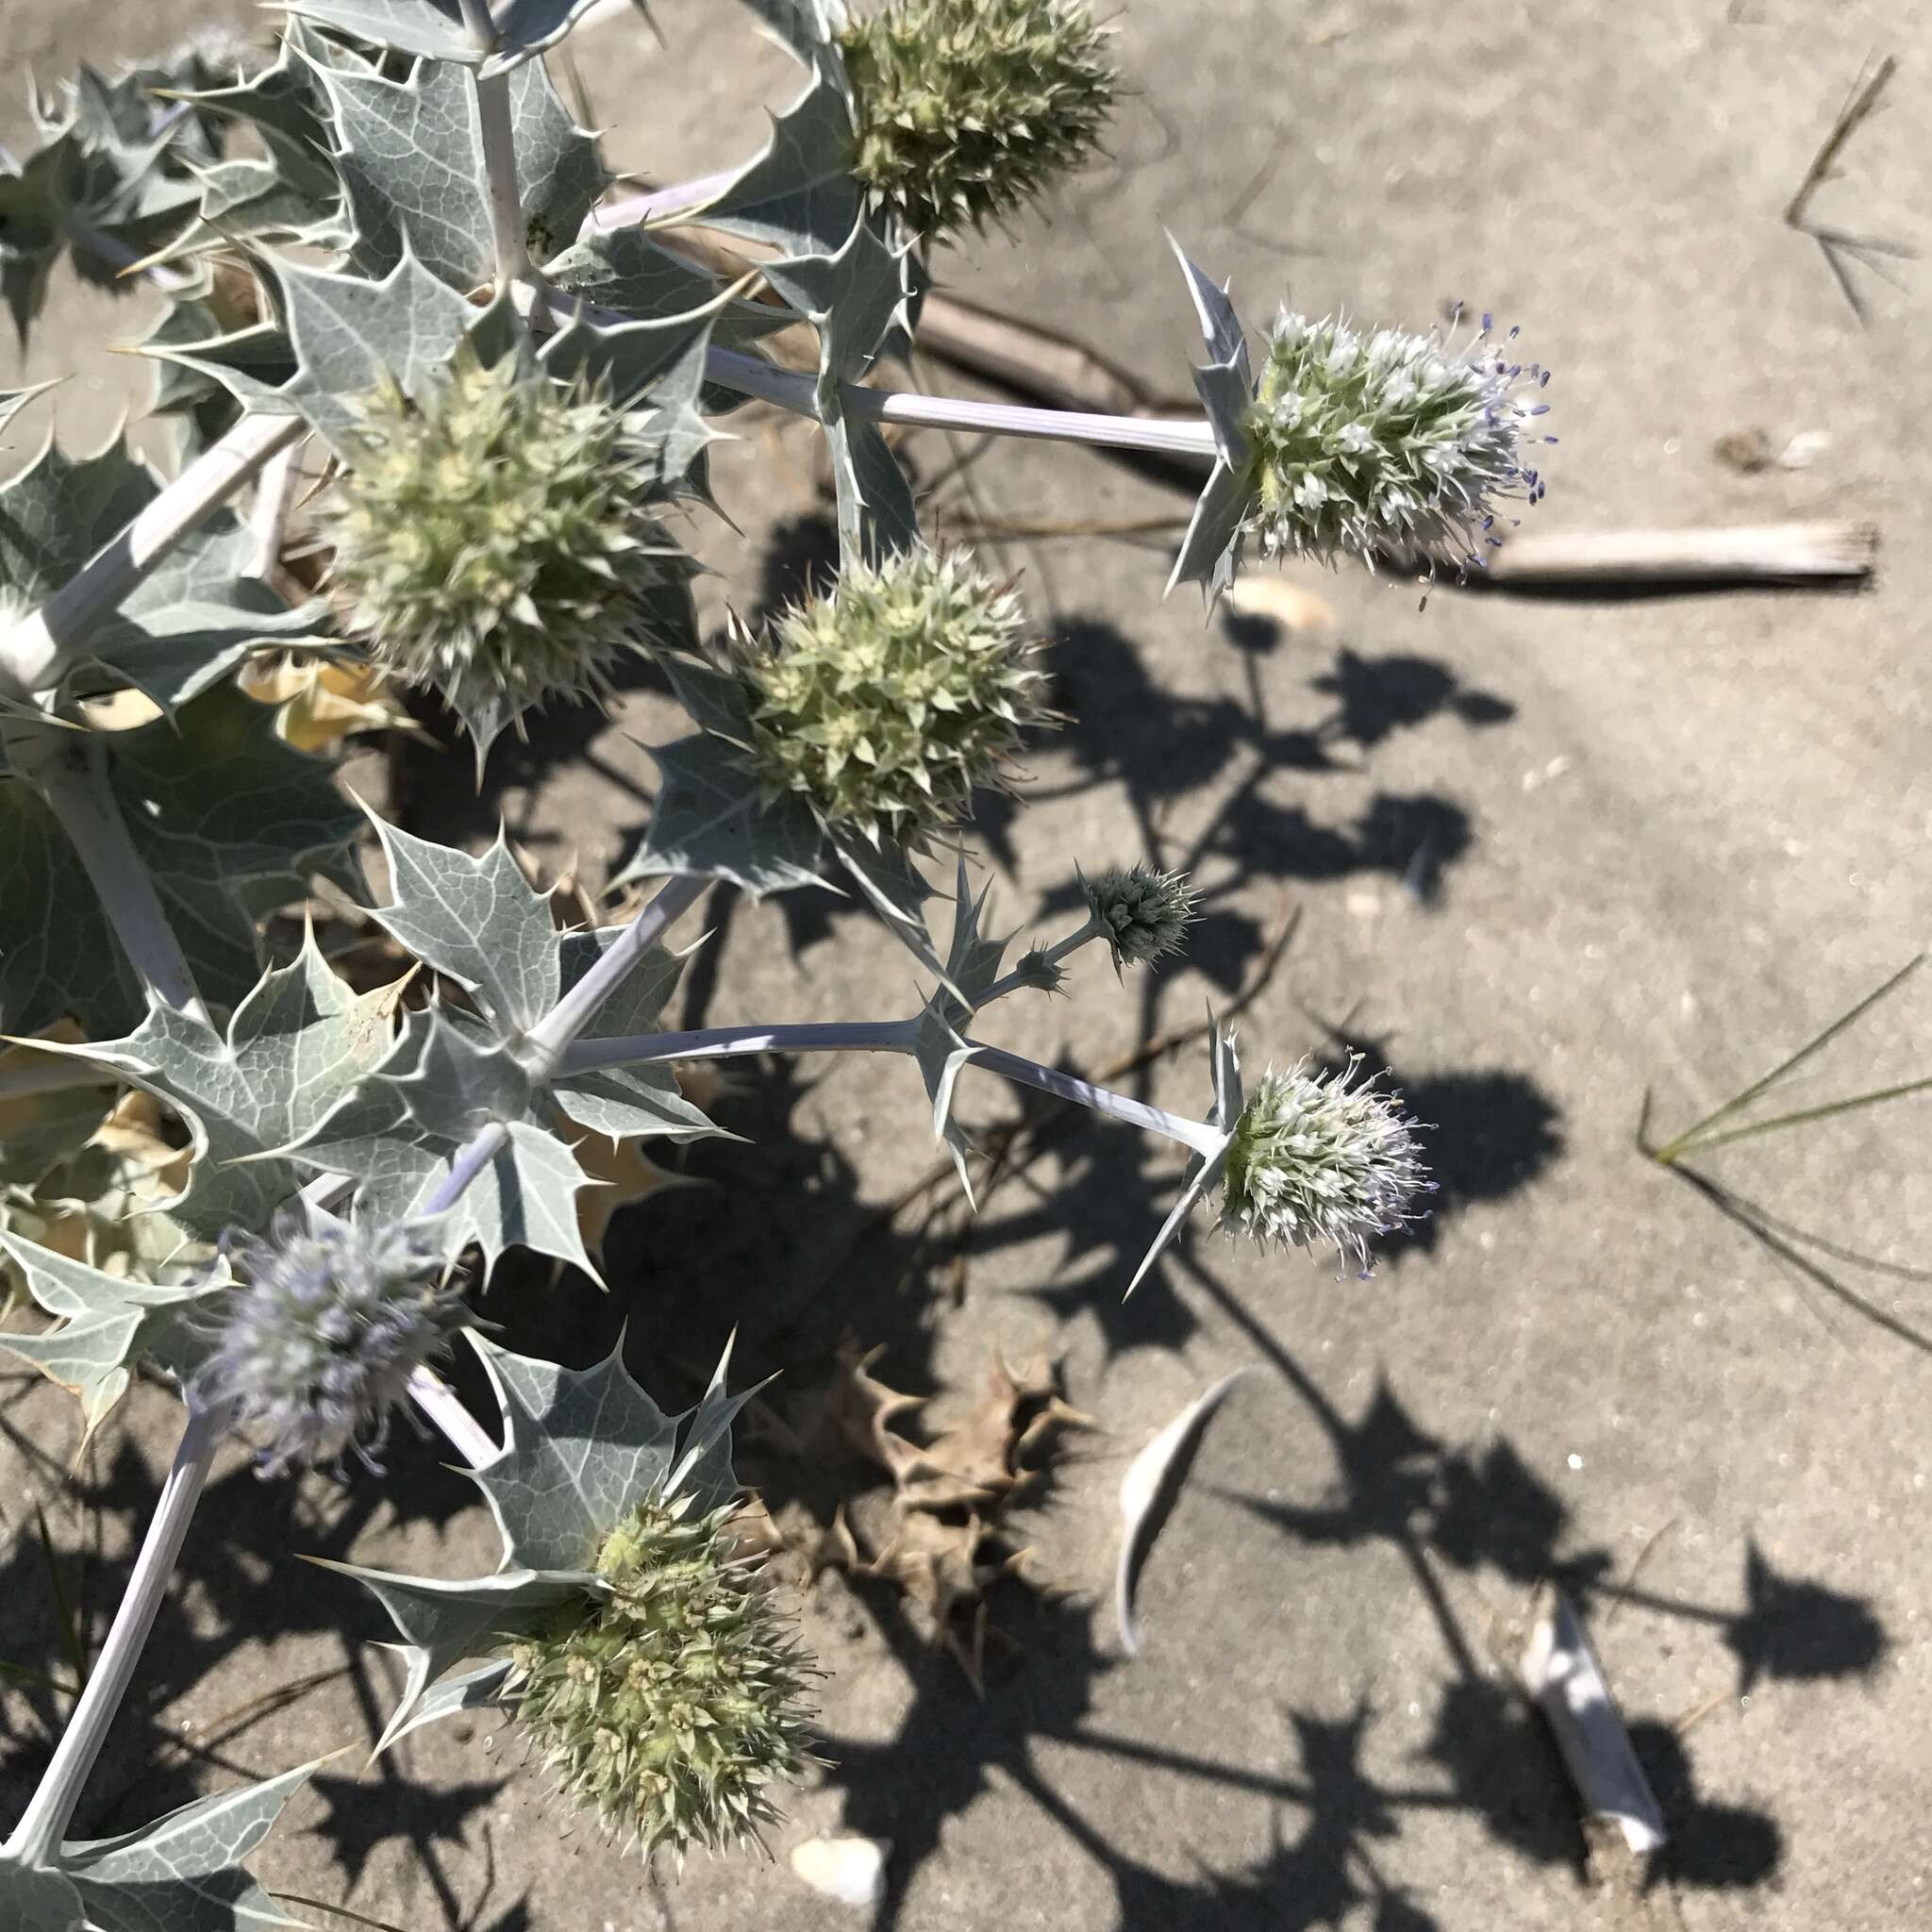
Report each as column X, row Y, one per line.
column 1360, row 443
column 1142, row 912
column 315, row 1349
column 1314, row 1160
column 885, row 703
column 967, row 108
column 491, row 540
column 672, row 1705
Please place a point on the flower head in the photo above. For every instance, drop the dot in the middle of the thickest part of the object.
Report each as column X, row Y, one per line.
column 1315, row 1159
column 1359, row 443
column 317, row 1344
column 967, row 108
column 673, row 1704
column 886, row 702
column 1144, row 912
column 491, row 540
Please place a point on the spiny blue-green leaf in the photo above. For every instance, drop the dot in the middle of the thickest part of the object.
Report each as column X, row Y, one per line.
column 940, row 1054
column 709, row 822
column 1204, row 1170
column 798, row 194
column 459, row 1084
column 410, row 157
column 294, row 1046
column 182, row 1873
column 476, row 920
column 703, row 1470
column 896, row 888
column 349, row 332
column 34, row 1898
column 34, row 199
column 435, row 27
column 189, row 622
column 625, row 271
column 479, row 1688
column 201, row 352
column 654, row 362
column 1210, row 552
column 581, row 1446
column 526, row 1197
column 107, row 1323
column 222, row 857
column 631, row 1102
column 442, row 1622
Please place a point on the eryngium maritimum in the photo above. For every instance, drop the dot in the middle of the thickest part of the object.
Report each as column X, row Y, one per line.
column 886, row 702
column 967, row 108
column 1316, row 1160
column 490, row 543
column 1142, row 912
column 673, row 1705
column 317, row 1345
column 1387, row 442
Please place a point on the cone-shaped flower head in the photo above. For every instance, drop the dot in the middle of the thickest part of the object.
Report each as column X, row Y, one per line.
column 886, row 702
column 672, row 1705
column 1359, row 443
column 317, row 1343
column 1316, row 1159
column 1144, row 912
column 967, row 108
column 492, row 541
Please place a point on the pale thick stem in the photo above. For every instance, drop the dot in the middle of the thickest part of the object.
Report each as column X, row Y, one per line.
column 69, row 770
column 507, row 232
column 787, row 388
column 268, row 517
column 658, row 205
column 45, row 1823
column 883, row 1035
column 546, row 1042
column 38, row 650
column 464, row 1433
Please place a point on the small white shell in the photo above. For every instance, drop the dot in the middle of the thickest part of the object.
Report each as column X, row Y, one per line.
column 850, row 1869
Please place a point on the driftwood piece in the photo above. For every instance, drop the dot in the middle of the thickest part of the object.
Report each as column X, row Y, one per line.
column 1561, row 1672
column 1795, row 553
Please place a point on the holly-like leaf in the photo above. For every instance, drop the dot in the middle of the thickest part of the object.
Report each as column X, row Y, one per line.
column 798, row 194
column 13, row 400
column 441, row 1623
column 435, row 27
column 182, row 1873
column 626, row 1103
column 401, row 1131
column 624, row 270
column 896, row 888
column 221, row 856
column 479, row 1688
column 478, row 921
column 410, row 157
column 187, row 622
column 349, row 332
column 107, row 1323
column 1211, row 550
column 710, row 823
column 1204, row 1169
column 34, row 1898
column 294, row 1046
column 856, row 298
column 580, row 1447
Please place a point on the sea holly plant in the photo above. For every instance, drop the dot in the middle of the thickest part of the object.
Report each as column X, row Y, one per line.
column 421, row 360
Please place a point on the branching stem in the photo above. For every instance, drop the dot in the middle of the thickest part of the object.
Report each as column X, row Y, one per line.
column 508, row 231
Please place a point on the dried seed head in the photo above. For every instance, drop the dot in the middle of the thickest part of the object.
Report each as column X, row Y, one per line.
column 1314, row 1161
column 967, row 108
column 885, row 703
column 1144, row 912
column 1361, row 443
column 317, row 1344
column 491, row 543
column 673, row 1705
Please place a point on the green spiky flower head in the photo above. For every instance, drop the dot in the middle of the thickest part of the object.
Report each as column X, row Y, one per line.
column 673, row 1705
column 886, row 702
column 491, row 540
column 1142, row 912
column 1320, row 1159
column 1363, row 442
column 967, row 108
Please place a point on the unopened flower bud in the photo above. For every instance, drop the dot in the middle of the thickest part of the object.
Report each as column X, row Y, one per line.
column 885, row 703
column 967, row 108
column 1144, row 912
column 672, row 1705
